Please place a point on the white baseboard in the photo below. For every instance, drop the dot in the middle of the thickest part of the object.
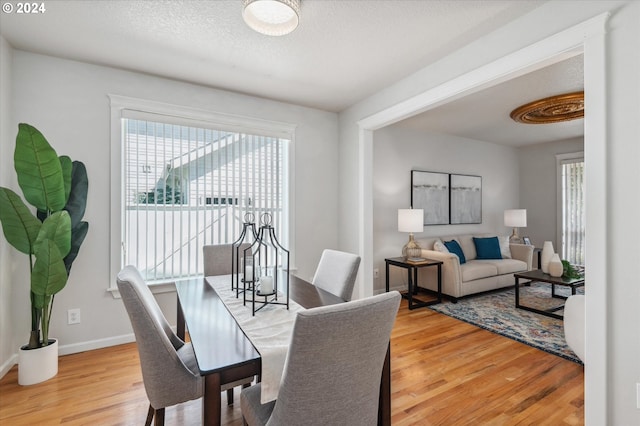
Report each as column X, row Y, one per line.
column 4, row 368
column 74, row 348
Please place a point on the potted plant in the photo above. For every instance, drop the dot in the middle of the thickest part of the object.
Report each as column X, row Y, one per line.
column 57, row 188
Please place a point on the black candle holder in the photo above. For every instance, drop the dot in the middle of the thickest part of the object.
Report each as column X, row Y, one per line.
column 271, row 261
column 246, row 239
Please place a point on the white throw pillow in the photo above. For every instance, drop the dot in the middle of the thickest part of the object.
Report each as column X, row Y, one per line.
column 505, row 251
column 439, row 246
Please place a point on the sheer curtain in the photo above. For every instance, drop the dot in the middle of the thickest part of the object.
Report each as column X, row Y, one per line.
column 572, row 208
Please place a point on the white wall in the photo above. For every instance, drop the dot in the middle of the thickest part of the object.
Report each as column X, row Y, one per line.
column 7, row 344
column 538, row 186
column 68, row 102
column 622, row 156
column 398, row 150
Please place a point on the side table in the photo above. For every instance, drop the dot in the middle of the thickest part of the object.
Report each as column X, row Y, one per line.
column 412, row 279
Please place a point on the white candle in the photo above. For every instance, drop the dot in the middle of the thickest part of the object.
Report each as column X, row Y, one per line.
column 266, row 285
column 248, row 273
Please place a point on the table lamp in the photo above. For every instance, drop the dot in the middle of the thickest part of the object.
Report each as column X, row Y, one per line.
column 515, row 218
column 411, row 220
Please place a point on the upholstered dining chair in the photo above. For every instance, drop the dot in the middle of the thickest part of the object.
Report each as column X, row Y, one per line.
column 333, row 368
column 573, row 323
column 169, row 369
column 217, row 259
column 337, row 272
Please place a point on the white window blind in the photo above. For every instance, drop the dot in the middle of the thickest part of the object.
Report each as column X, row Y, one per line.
column 186, row 186
column 573, row 210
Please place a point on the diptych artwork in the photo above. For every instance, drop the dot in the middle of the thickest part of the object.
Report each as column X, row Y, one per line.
column 430, row 192
column 447, row 198
column 466, row 199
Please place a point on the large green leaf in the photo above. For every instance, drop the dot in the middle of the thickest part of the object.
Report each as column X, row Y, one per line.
column 49, row 275
column 77, row 201
column 19, row 225
column 77, row 237
column 56, row 228
column 39, row 172
column 66, row 166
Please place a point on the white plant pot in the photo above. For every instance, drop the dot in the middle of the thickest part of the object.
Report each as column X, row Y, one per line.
column 37, row 365
column 546, row 255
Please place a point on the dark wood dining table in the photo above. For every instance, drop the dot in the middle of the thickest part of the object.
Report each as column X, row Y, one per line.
column 223, row 352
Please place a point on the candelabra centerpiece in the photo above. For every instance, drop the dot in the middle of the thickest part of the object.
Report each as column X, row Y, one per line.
column 242, row 271
column 267, row 282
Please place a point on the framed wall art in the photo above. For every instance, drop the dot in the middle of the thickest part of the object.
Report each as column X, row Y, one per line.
column 430, row 192
column 466, row 199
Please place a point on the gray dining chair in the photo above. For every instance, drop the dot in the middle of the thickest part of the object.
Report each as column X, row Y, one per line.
column 169, row 369
column 336, row 273
column 217, row 259
column 333, row 368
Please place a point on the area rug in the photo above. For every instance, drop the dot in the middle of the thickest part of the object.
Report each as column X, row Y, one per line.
column 497, row 313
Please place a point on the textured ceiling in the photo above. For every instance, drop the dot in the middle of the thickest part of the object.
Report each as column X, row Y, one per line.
column 485, row 115
column 342, row 51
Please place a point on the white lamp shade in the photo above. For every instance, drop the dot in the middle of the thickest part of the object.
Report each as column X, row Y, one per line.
column 272, row 17
column 410, row 220
column 515, row 218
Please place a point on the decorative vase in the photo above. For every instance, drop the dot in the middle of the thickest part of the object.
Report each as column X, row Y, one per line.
column 555, row 266
column 37, row 365
column 546, row 255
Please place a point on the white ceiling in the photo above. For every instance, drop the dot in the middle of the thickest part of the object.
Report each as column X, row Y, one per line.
column 342, row 52
column 485, row 115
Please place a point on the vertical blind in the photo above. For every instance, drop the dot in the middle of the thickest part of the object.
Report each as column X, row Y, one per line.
column 185, row 187
column 573, row 211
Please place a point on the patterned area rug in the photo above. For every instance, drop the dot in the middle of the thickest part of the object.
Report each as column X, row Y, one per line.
column 496, row 312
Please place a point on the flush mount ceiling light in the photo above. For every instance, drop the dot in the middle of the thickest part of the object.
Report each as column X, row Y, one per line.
column 271, row 17
column 554, row 109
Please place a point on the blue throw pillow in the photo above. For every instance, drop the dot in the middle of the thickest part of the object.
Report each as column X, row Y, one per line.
column 455, row 248
column 487, row 248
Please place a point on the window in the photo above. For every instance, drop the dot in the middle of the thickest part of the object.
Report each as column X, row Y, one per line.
column 571, row 198
column 188, row 182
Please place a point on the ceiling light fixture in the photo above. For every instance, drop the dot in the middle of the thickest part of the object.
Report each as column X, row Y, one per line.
column 271, row 17
column 553, row 109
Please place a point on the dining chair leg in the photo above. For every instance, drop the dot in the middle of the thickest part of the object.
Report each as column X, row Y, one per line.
column 149, row 416
column 230, row 396
column 159, row 417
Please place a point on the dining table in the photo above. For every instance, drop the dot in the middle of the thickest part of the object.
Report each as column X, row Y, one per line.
column 225, row 354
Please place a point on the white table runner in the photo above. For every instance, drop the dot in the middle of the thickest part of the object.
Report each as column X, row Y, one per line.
column 269, row 331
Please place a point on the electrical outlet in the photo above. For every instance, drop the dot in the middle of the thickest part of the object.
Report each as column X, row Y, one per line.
column 73, row 316
column 637, row 395
column 376, row 273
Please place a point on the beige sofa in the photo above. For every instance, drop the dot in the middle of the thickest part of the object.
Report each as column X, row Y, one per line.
column 476, row 275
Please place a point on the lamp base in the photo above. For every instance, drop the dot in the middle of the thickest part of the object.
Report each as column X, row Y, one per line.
column 515, row 238
column 411, row 249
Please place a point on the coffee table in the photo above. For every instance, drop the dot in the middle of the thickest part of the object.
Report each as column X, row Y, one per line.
column 538, row 275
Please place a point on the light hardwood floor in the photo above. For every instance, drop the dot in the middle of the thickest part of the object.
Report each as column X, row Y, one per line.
column 444, row 372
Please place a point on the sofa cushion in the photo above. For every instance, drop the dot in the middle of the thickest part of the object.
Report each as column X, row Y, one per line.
column 438, row 245
column 478, row 269
column 505, row 249
column 506, row 266
column 487, row 248
column 468, row 247
column 455, row 248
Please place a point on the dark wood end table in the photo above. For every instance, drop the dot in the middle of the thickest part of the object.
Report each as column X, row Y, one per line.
column 412, row 279
column 538, row 275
